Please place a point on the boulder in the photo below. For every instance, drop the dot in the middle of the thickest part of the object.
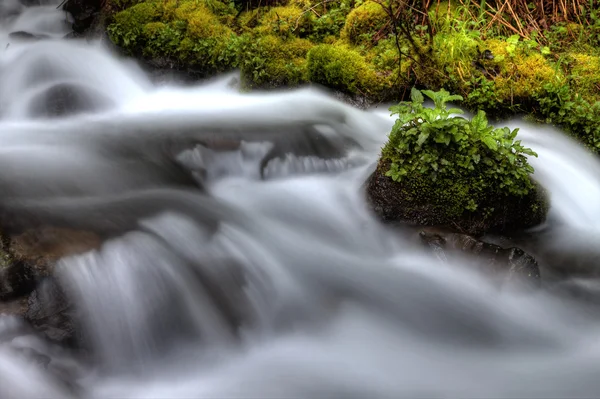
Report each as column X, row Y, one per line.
column 22, row 35
column 85, row 13
column 417, row 202
column 65, row 99
column 509, row 265
column 51, row 314
column 27, row 286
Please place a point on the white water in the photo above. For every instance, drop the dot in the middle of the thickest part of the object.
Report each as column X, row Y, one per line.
column 330, row 302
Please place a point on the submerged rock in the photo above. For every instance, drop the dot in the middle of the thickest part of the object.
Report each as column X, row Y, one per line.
column 16, row 277
column 50, row 313
column 27, row 288
column 85, row 13
column 509, row 264
column 65, row 99
column 22, row 35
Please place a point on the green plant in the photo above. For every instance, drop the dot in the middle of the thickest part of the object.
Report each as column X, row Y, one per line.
column 572, row 112
column 436, row 148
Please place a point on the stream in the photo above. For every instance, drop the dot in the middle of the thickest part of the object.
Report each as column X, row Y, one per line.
column 260, row 272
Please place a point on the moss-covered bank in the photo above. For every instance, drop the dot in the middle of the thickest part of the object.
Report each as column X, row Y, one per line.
column 358, row 48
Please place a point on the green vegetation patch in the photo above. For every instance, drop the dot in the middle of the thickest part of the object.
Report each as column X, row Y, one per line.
column 457, row 172
column 379, row 49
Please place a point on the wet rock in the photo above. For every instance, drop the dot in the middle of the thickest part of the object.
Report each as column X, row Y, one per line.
column 65, row 99
column 16, row 277
column 50, row 313
column 85, row 13
column 15, row 280
column 22, row 35
column 42, row 302
column 509, row 264
column 417, row 202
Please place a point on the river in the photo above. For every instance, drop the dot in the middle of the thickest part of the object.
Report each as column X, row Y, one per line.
column 271, row 279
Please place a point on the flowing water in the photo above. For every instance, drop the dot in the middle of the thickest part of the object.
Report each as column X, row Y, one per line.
column 270, row 279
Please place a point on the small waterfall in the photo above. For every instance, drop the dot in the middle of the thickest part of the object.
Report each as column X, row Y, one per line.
column 239, row 257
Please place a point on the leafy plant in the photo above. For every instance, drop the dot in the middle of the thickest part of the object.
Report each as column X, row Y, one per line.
column 436, row 145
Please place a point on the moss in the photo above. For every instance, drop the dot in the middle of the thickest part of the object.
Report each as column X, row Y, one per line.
column 128, row 25
column 364, row 22
column 285, row 21
column 455, row 54
column 423, row 202
column 442, row 203
column 174, row 32
column 584, row 73
column 519, row 73
column 270, row 61
column 201, row 22
column 340, row 67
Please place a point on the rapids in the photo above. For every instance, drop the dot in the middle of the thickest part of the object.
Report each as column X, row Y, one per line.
column 271, row 279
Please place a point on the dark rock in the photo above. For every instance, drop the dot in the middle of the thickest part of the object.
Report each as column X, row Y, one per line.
column 42, row 302
column 510, row 264
column 85, row 13
column 68, row 99
column 415, row 204
column 51, row 313
column 15, row 280
column 16, row 277
column 22, row 35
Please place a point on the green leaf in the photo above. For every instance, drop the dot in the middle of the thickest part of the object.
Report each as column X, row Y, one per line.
column 422, row 138
column 490, row 142
column 514, row 39
column 456, row 110
column 416, row 96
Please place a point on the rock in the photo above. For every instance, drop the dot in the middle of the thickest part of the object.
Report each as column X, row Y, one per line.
column 31, row 291
column 22, row 35
column 50, row 313
column 415, row 204
column 510, row 264
column 16, row 277
column 85, row 13
column 68, row 99
column 15, row 280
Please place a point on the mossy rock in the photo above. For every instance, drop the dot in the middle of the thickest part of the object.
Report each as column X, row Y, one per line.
column 270, row 61
column 364, row 22
column 416, row 201
column 342, row 68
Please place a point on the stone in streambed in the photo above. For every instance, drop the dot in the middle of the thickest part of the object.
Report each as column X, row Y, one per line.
column 510, row 264
column 64, row 99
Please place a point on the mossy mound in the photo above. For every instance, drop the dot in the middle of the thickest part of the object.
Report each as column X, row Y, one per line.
column 438, row 169
column 342, row 68
column 418, row 201
column 270, row 61
column 351, row 46
column 365, row 23
column 193, row 35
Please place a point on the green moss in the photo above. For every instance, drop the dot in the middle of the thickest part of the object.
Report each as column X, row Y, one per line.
column 127, row 29
column 364, row 22
column 455, row 53
column 449, row 170
column 352, row 49
column 284, row 21
column 584, row 75
column 342, row 68
column 270, row 61
column 183, row 33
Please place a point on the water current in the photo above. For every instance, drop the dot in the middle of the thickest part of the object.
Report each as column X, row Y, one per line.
column 270, row 278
